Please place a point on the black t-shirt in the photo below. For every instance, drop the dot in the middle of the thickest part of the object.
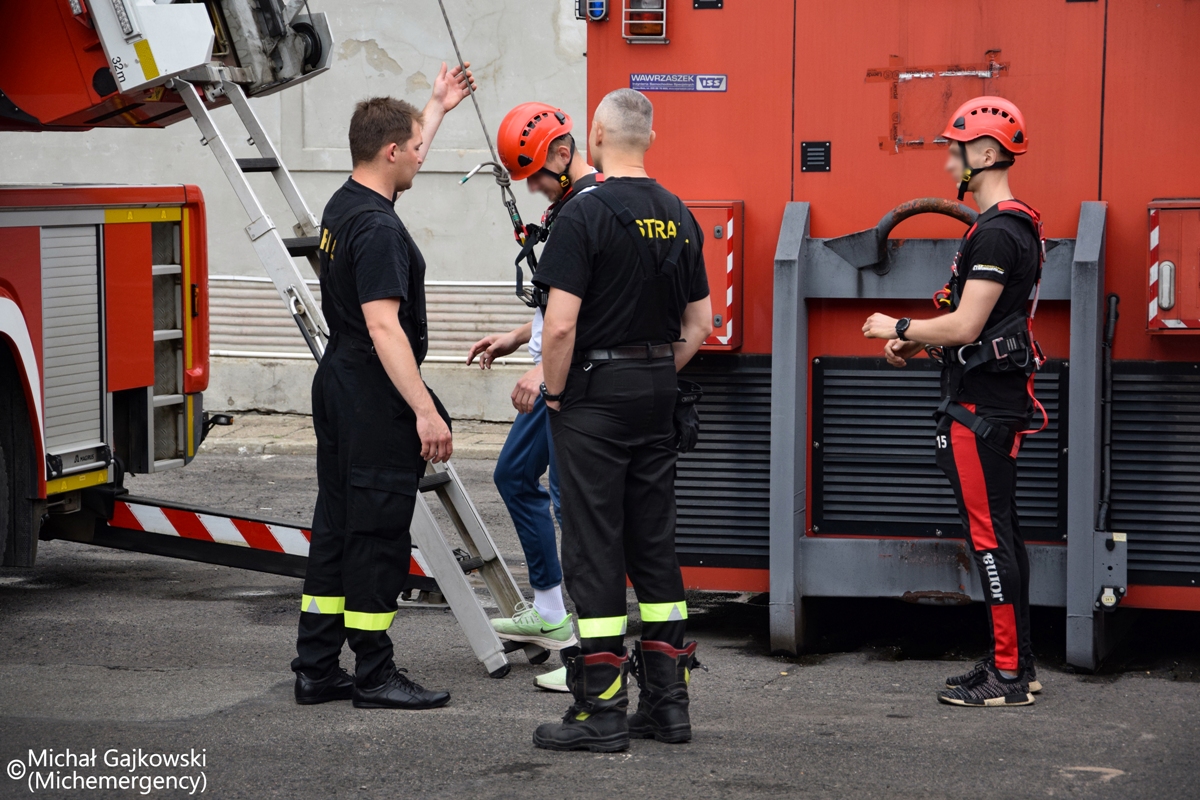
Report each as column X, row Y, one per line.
column 592, row 256
column 1004, row 249
column 369, row 256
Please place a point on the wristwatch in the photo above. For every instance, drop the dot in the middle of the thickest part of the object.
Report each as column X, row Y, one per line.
column 553, row 398
column 901, row 328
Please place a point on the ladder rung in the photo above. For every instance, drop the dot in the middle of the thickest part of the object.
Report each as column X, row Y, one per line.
column 258, row 164
column 431, row 482
column 302, row 245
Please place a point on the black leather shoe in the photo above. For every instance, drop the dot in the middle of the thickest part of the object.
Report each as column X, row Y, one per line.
column 337, row 685
column 397, row 691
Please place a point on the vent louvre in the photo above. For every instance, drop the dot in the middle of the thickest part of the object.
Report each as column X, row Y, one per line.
column 1156, row 469
column 723, row 487
column 873, row 460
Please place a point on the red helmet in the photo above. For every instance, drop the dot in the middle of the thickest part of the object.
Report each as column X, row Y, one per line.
column 525, row 136
column 989, row 116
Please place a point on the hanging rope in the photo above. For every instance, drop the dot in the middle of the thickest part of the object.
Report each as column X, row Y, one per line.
column 501, row 176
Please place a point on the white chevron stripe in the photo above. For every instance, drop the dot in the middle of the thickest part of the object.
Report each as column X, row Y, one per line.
column 152, row 519
column 290, row 539
column 222, row 530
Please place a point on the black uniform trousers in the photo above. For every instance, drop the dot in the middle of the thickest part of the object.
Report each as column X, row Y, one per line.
column 984, row 478
column 616, row 471
column 368, row 468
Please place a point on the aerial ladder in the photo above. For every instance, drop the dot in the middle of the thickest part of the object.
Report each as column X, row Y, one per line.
column 201, row 55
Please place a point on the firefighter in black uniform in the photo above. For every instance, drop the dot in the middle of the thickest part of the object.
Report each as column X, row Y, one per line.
column 985, row 344
column 628, row 306
column 376, row 421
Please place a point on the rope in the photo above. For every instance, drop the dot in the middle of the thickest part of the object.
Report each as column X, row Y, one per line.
column 497, row 167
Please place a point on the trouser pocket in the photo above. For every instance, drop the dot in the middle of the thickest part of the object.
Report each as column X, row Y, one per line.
column 381, row 500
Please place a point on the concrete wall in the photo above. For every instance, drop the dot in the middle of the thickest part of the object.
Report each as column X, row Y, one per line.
column 520, row 51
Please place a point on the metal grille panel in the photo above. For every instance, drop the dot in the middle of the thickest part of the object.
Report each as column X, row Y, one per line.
column 723, row 487
column 1156, row 469
column 71, row 336
column 873, row 457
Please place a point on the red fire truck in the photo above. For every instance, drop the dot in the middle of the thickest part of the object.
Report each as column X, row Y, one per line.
column 805, row 128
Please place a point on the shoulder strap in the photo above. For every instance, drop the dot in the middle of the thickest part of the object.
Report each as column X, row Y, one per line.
column 650, row 266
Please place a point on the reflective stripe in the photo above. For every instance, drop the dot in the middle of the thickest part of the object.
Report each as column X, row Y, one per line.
column 365, row 621
column 322, row 605
column 608, row 693
column 663, row 612
column 597, row 627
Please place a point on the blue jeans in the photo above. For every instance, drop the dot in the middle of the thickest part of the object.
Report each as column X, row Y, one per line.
column 527, row 453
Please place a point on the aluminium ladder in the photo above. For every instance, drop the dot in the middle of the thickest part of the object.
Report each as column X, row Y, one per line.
column 276, row 254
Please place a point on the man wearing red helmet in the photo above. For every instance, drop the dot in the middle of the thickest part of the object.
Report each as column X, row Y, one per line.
column 536, row 146
column 985, row 344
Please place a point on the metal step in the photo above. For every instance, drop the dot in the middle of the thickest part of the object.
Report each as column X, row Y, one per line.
column 258, row 164
column 301, row 246
column 433, row 481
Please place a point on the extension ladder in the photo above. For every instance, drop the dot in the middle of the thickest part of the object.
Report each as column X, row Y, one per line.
column 276, row 254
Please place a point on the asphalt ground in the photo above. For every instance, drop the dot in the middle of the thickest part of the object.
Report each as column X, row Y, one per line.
column 119, row 651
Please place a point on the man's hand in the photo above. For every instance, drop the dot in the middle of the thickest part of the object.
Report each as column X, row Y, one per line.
column 489, row 348
column 897, row 352
column 528, row 390
column 880, row 326
column 436, row 442
column 450, row 87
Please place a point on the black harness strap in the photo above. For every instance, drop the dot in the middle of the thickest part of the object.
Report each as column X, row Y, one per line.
column 649, row 265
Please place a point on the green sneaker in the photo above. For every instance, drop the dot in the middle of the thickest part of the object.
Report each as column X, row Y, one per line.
column 527, row 625
column 553, row 681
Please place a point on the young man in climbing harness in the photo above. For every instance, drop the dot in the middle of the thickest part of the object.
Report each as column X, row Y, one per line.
column 985, row 344
column 628, row 306
column 536, row 146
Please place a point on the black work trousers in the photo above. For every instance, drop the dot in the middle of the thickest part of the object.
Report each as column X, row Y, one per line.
column 616, row 470
column 984, row 478
column 368, row 468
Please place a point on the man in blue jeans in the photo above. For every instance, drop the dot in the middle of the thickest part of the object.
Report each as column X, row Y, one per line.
column 536, row 146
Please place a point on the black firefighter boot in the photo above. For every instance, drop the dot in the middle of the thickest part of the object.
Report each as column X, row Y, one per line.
column 662, row 674
column 596, row 721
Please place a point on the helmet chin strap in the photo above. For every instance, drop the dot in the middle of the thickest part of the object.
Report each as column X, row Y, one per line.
column 970, row 172
column 563, row 178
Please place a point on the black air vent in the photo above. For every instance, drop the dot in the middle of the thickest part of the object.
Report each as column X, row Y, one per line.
column 814, row 156
column 873, row 469
column 1156, row 469
column 724, row 485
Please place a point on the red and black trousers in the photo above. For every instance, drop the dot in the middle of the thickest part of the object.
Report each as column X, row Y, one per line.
column 983, row 473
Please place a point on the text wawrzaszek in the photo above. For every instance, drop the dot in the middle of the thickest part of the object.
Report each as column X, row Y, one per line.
column 129, row 760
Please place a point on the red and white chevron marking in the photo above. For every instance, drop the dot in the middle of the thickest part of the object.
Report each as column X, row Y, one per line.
column 208, row 527
column 726, row 333
column 1155, row 322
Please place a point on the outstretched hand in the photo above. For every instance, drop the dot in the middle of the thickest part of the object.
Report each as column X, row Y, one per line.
column 450, row 86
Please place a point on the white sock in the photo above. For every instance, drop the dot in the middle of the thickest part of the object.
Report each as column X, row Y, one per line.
column 549, row 604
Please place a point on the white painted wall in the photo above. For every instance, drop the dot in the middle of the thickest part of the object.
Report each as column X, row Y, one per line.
column 520, row 50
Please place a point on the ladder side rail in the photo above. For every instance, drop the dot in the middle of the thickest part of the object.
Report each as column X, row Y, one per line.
column 457, row 590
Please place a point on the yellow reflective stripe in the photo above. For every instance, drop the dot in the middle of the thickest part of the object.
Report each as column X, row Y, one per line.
column 145, row 57
column 322, row 605
column 365, row 621
column 602, row 626
column 81, row 480
column 663, row 612
column 608, row 693
column 143, row 214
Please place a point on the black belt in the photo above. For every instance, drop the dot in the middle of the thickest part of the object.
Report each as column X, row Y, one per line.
column 339, row 339
column 643, row 352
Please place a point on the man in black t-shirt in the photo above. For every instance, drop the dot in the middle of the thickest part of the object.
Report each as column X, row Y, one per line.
column 986, row 346
column 376, row 421
column 628, row 306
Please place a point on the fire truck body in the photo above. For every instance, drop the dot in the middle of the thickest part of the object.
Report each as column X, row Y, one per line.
column 819, row 119
column 103, row 303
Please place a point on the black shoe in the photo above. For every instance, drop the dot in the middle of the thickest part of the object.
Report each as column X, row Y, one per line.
column 337, row 685
column 397, row 691
column 663, row 674
column 1035, row 686
column 989, row 689
column 596, row 721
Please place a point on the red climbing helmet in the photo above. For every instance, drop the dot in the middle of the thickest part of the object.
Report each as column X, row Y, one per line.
column 989, row 116
column 525, row 136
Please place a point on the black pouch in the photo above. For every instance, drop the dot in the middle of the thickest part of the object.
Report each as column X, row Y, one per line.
column 687, row 417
